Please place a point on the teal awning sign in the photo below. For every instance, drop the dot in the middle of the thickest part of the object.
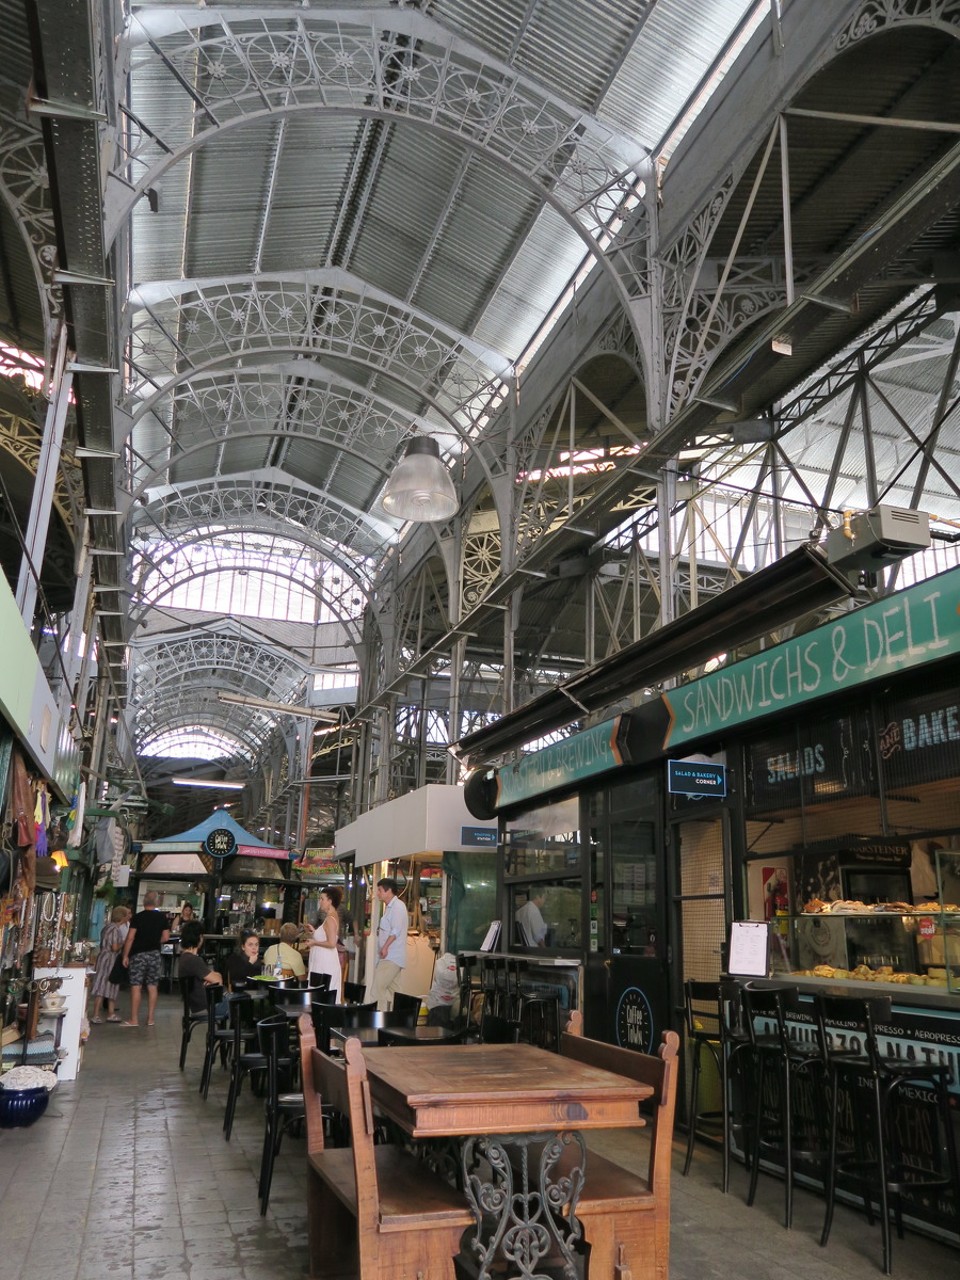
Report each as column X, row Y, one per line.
column 903, row 631
column 580, row 756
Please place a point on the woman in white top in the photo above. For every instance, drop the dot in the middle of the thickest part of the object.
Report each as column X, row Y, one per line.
column 324, row 957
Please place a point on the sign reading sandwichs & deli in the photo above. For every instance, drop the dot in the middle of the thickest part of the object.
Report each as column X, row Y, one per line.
column 909, row 629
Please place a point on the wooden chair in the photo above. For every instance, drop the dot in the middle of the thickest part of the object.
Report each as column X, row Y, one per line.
column 372, row 1211
column 626, row 1216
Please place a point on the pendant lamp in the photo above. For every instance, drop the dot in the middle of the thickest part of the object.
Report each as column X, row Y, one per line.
column 420, row 487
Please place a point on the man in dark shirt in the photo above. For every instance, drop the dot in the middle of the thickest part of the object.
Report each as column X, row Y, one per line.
column 149, row 930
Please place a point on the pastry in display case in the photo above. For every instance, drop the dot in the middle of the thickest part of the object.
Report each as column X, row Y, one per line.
column 875, row 937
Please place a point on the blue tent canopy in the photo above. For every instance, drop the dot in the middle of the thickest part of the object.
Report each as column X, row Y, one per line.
column 209, row 836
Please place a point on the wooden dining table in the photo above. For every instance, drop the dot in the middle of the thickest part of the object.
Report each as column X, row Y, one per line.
column 519, row 1113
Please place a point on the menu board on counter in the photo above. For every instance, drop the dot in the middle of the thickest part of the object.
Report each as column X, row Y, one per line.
column 748, row 948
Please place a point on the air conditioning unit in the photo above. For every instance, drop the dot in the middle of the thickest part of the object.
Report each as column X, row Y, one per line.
column 870, row 540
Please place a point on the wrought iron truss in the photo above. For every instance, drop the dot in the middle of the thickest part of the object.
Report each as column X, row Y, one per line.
column 391, row 64
column 275, row 402
column 25, row 190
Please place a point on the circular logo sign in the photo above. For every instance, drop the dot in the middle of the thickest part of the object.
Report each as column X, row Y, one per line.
column 635, row 1021
column 220, row 842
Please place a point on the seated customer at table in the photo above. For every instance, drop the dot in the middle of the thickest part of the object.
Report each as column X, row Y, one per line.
column 291, row 961
column 244, row 963
column 191, row 966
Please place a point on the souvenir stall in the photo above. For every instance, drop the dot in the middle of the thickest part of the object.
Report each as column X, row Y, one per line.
column 43, row 977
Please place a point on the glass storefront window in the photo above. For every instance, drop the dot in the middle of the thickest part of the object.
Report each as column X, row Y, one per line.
column 634, row 888
column 544, row 840
column 546, row 913
column 543, row 877
column 598, row 886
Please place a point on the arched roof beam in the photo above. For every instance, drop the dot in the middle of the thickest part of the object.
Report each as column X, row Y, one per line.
column 140, row 608
column 149, row 728
column 329, row 552
column 287, row 300
column 298, row 508
column 25, row 190
column 237, row 325
column 251, row 658
column 390, row 64
column 207, row 378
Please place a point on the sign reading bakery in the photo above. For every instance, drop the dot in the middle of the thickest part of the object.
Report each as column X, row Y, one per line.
column 919, row 737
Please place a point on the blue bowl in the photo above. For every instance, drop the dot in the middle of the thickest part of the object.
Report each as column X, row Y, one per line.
column 21, row 1107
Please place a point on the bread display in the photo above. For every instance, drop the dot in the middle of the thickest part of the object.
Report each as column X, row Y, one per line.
column 853, row 907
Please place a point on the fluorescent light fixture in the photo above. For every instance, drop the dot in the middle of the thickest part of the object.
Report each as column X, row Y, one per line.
column 203, row 782
column 281, row 708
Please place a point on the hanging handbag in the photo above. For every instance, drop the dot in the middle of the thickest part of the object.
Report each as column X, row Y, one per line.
column 119, row 974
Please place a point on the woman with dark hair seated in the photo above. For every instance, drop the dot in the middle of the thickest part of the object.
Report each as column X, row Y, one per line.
column 244, row 963
column 191, row 966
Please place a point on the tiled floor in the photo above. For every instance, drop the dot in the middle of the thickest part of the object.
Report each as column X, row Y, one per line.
column 127, row 1177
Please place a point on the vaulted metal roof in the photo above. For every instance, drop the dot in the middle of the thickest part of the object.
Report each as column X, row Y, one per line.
column 334, row 228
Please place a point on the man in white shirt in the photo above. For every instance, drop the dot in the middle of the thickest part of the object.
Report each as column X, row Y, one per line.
column 391, row 944
column 530, row 921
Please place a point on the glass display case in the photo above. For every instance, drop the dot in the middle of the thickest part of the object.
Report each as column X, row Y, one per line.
column 909, row 941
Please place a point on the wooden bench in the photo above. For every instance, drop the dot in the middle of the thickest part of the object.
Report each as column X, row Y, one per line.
column 626, row 1216
column 373, row 1211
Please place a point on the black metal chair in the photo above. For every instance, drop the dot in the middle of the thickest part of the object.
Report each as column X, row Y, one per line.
column 218, row 1037
column 539, row 1021
column 780, row 1061
column 244, row 1059
column 354, row 992
column 281, row 1109
column 189, row 1018
column 703, row 1015
column 497, row 1030
column 327, row 1016
column 408, row 1005
column 317, row 981
column 468, row 981
column 857, row 1065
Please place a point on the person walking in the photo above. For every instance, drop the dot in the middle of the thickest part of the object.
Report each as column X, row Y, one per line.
column 149, row 930
column 111, row 942
column 391, row 944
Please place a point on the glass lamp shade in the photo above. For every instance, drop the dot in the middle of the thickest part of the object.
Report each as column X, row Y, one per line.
column 420, row 487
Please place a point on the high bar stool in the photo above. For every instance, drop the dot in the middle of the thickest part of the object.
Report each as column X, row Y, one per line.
column 703, row 1016
column 848, row 1030
column 780, row 1058
column 735, row 1062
